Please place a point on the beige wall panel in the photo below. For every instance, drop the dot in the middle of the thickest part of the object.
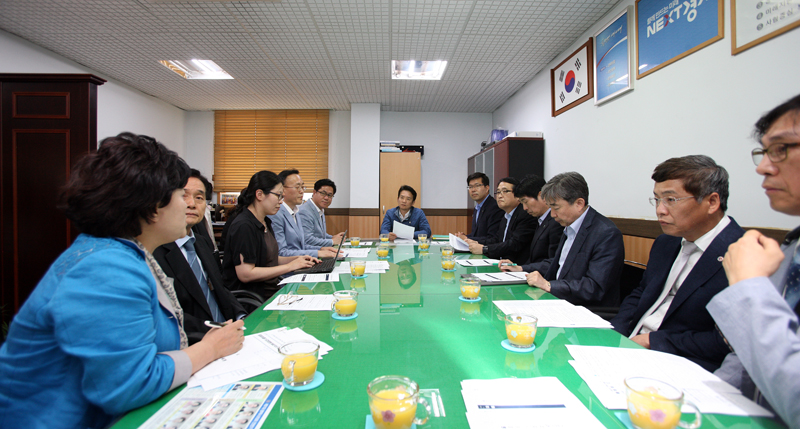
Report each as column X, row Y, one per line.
column 442, row 225
column 637, row 249
column 365, row 226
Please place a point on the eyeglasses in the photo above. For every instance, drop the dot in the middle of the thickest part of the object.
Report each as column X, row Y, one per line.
column 503, row 191
column 325, row 194
column 301, row 188
column 288, row 299
column 280, row 196
column 668, row 202
column 476, row 186
column 776, row 152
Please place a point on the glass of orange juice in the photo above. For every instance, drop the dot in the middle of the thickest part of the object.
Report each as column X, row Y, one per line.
column 383, row 250
column 521, row 329
column 344, row 302
column 447, row 250
column 422, row 236
column 653, row 404
column 355, row 241
column 424, row 244
column 384, row 238
column 393, row 401
column 470, row 288
column 358, row 268
column 299, row 362
column 448, row 263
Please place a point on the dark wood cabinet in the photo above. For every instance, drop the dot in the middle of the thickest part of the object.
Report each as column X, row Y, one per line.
column 513, row 156
column 47, row 122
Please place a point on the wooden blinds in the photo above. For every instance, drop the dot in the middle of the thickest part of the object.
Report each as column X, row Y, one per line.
column 248, row 141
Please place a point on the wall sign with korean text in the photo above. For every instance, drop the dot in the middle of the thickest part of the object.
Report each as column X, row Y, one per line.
column 572, row 81
column 668, row 30
column 756, row 21
column 613, row 65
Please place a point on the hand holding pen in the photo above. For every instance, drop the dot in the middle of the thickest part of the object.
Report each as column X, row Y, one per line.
column 508, row 265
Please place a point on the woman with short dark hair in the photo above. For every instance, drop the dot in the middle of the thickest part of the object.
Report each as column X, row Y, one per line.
column 102, row 333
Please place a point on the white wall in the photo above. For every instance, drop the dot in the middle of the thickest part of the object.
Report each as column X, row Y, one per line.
column 119, row 107
column 365, row 129
column 705, row 103
column 339, row 156
column 449, row 138
column 199, row 132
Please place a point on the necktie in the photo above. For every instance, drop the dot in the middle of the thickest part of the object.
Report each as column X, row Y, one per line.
column 792, row 281
column 191, row 256
column 475, row 219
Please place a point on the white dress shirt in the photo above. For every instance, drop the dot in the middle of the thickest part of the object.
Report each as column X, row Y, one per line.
column 571, row 231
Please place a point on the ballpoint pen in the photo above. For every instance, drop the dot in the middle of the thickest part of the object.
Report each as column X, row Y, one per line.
column 506, row 264
column 212, row 324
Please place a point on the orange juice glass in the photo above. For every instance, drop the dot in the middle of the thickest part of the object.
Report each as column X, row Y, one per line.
column 422, row 237
column 345, row 302
column 393, row 401
column 470, row 287
column 424, row 244
column 447, row 250
column 653, row 404
column 384, row 238
column 382, row 251
column 299, row 362
column 355, row 241
column 521, row 329
column 357, row 268
column 448, row 263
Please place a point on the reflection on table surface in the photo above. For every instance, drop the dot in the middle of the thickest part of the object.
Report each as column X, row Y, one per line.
column 411, row 322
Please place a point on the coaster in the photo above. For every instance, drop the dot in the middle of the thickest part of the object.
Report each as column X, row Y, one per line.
column 469, row 300
column 318, row 379
column 506, row 345
column 350, row 317
column 449, row 271
column 358, row 277
column 371, row 424
column 625, row 419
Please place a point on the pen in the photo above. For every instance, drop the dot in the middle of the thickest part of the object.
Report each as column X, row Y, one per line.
column 212, row 325
column 484, row 407
column 506, row 264
column 326, row 277
column 304, row 278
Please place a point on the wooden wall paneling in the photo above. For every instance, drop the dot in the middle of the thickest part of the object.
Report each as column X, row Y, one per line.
column 637, row 249
column 396, row 170
column 365, row 226
column 336, row 223
column 443, row 225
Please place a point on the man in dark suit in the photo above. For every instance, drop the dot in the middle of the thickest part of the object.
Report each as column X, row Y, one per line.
column 487, row 215
column 191, row 263
column 548, row 233
column 513, row 238
column 588, row 262
column 667, row 311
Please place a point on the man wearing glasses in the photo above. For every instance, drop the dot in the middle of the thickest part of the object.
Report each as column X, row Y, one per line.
column 667, row 311
column 286, row 223
column 758, row 312
column 312, row 215
column 487, row 215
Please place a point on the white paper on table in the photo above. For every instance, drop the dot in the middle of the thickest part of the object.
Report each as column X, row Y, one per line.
column 301, row 303
column 517, row 276
column 554, row 313
column 477, row 262
column 458, row 243
column 355, row 253
column 363, row 243
column 372, row 267
column 310, row 278
column 604, row 370
column 404, row 242
column 402, row 253
column 403, row 231
column 542, row 402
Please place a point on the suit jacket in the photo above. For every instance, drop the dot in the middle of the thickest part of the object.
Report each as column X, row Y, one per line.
column 517, row 245
column 687, row 329
column 314, row 227
column 593, row 267
column 489, row 219
column 190, row 295
column 545, row 241
column 289, row 235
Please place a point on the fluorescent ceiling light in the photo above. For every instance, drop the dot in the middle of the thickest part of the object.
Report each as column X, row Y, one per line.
column 197, row 69
column 419, row 70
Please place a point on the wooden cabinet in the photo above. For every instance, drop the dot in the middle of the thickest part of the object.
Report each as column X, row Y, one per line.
column 513, row 156
column 47, row 122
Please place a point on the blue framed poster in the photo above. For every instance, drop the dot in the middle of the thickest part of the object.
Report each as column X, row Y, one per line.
column 668, row 30
column 613, row 66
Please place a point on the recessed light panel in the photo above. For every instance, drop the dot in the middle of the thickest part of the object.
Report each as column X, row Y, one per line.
column 197, row 69
column 418, row 70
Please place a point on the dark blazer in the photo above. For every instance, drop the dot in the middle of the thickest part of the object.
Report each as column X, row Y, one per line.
column 545, row 241
column 687, row 329
column 190, row 295
column 517, row 245
column 489, row 220
column 593, row 267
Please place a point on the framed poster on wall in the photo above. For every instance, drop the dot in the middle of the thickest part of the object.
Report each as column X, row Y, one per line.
column 756, row 21
column 668, row 30
column 572, row 81
column 613, row 65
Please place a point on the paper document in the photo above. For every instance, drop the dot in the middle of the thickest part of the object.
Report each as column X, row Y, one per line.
column 604, row 370
column 355, row 253
column 458, row 244
column 301, row 302
column 258, row 355
column 245, row 405
column 372, row 267
column 403, row 231
column 554, row 313
column 363, row 243
column 542, row 402
column 404, row 241
column 477, row 262
column 310, row 278
column 502, row 278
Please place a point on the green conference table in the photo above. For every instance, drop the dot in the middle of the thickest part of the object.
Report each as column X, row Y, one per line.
column 410, row 322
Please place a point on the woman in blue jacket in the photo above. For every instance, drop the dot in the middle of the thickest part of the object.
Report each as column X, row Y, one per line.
column 102, row 332
column 405, row 213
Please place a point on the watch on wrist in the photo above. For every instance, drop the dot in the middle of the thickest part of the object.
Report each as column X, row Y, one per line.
column 485, row 250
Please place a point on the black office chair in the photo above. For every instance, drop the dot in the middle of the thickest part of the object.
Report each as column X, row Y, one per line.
column 629, row 280
column 250, row 301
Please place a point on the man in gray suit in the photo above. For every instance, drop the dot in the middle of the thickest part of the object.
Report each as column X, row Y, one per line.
column 312, row 215
column 758, row 312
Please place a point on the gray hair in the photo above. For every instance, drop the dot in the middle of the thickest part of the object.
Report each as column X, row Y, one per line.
column 567, row 186
column 701, row 176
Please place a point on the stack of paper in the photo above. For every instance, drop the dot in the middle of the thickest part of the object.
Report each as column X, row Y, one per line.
column 477, row 262
column 458, row 244
column 373, row 267
column 604, row 370
column 363, row 243
column 258, row 355
column 403, row 231
column 541, row 402
column 555, row 313
column 300, row 303
column 310, row 278
column 356, row 253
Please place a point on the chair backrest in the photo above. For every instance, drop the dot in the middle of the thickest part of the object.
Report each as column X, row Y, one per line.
column 632, row 273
